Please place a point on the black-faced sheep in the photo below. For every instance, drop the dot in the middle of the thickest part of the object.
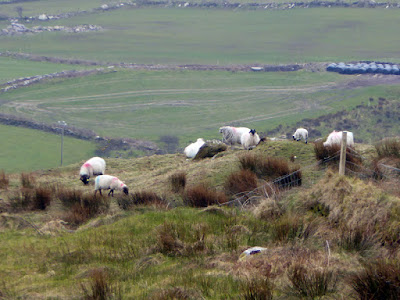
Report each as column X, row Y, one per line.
column 301, row 133
column 232, row 135
column 94, row 166
column 108, row 182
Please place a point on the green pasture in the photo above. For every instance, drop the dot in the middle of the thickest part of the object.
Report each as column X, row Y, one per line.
column 25, row 149
column 15, row 68
column 188, row 104
column 214, row 36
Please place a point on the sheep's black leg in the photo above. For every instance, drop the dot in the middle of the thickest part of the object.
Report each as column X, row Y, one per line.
column 112, row 193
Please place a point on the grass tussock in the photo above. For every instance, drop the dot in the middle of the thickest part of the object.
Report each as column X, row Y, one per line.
column 241, row 181
column 89, row 207
column 100, row 287
column 42, row 199
column 378, row 280
column 26, row 199
column 176, row 293
column 257, row 288
column 269, row 209
column 356, row 240
column 178, row 182
column 4, row 180
column 69, row 197
column 311, row 283
column 27, row 180
column 141, row 198
column 203, row 196
column 388, row 148
column 290, row 227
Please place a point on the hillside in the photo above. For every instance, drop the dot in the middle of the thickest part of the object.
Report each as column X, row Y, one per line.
column 161, row 248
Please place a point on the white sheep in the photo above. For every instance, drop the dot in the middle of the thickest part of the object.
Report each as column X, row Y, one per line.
column 108, row 182
column 232, row 135
column 94, row 166
column 301, row 133
column 191, row 150
column 335, row 137
column 250, row 139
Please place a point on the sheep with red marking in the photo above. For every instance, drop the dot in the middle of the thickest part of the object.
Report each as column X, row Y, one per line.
column 108, row 182
column 301, row 133
column 232, row 135
column 94, row 166
column 335, row 137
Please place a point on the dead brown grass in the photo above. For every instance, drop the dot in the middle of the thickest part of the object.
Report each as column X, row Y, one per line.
column 4, row 180
column 141, row 198
column 27, row 180
column 240, row 182
column 178, row 181
column 203, row 196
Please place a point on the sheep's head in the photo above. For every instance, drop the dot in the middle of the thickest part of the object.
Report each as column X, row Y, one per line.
column 85, row 179
column 125, row 190
column 252, row 131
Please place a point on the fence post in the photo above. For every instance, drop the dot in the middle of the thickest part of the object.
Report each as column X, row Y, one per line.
column 342, row 163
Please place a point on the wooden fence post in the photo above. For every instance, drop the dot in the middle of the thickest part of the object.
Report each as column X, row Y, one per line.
column 342, row 163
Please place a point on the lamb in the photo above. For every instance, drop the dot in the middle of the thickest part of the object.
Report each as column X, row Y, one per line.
column 94, row 166
column 335, row 137
column 232, row 135
column 301, row 133
column 108, row 182
column 250, row 139
column 191, row 150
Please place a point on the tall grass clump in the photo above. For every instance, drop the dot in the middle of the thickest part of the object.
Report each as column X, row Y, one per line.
column 356, row 240
column 4, row 181
column 311, row 283
column 42, row 199
column 330, row 155
column 256, row 288
column 141, row 198
column 388, row 148
column 178, row 182
column 100, row 287
column 31, row 199
column 240, row 182
column 203, row 196
column 89, row 207
column 290, row 227
column 378, row 280
column 27, row 180
column 69, row 197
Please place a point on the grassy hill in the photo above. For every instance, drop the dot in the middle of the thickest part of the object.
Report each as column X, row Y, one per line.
column 333, row 228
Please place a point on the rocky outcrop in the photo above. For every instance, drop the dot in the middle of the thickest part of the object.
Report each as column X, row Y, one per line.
column 18, row 29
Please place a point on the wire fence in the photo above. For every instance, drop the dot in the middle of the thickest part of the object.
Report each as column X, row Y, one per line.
column 354, row 167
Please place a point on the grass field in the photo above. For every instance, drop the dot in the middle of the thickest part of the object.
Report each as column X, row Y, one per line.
column 27, row 149
column 14, row 68
column 174, row 36
column 187, row 104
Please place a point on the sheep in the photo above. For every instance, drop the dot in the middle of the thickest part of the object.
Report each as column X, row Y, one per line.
column 250, row 139
column 232, row 135
column 335, row 137
column 191, row 150
column 94, row 166
column 301, row 133
column 108, row 182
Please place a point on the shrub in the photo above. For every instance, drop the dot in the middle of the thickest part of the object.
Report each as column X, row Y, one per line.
column 140, row 198
column 69, row 197
column 264, row 167
column 311, row 283
column 27, row 180
column 378, row 280
column 178, row 182
column 240, row 182
column 4, row 181
column 202, row 196
column 257, row 288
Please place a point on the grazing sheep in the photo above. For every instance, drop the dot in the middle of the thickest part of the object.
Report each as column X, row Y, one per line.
column 191, row 150
column 232, row 135
column 335, row 137
column 301, row 133
column 94, row 166
column 108, row 182
column 250, row 139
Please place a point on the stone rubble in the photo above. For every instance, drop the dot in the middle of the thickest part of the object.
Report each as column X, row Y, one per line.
column 18, row 29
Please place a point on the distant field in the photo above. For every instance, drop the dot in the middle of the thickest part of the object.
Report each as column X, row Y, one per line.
column 14, row 68
column 27, row 149
column 188, row 104
column 215, row 36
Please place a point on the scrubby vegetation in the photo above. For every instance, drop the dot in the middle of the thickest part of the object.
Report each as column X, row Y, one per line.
column 326, row 239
